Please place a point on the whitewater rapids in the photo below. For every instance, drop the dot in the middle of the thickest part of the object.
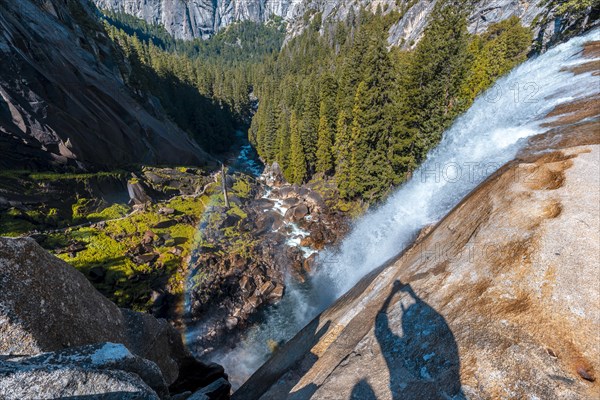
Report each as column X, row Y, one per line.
column 488, row 135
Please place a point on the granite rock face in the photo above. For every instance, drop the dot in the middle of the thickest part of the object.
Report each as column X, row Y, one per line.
column 63, row 98
column 200, row 18
column 105, row 369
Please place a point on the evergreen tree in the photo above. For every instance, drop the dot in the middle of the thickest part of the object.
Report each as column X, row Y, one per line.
column 283, row 143
column 325, row 141
column 360, row 144
column 440, row 63
column 343, row 155
column 269, row 148
column 310, row 126
column 297, row 153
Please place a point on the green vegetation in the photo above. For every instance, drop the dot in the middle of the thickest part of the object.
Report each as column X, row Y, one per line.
column 241, row 41
column 204, row 85
column 109, row 260
column 130, row 255
column 337, row 103
column 55, row 212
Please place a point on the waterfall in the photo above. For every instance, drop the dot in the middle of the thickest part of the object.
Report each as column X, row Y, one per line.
column 488, row 135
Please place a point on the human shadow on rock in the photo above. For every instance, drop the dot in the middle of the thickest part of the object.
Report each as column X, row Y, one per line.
column 422, row 358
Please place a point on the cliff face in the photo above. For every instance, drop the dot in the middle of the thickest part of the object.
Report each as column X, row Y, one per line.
column 200, row 18
column 498, row 300
column 63, row 98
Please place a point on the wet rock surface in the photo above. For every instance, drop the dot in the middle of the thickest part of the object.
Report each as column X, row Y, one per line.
column 282, row 230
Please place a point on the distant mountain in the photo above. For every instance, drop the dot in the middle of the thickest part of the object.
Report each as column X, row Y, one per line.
column 64, row 98
column 186, row 19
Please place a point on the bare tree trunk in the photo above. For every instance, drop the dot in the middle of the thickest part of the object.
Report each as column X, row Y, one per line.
column 224, row 183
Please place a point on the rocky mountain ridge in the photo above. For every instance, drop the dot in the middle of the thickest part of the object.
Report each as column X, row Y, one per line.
column 201, row 19
column 64, row 99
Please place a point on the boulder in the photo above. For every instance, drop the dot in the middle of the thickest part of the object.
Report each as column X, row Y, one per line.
column 276, row 294
column 229, row 221
column 104, row 370
column 47, row 305
column 296, row 213
column 291, row 201
column 218, row 390
column 137, row 193
column 166, row 211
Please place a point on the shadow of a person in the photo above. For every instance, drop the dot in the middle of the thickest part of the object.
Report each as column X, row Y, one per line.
column 362, row 391
column 423, row 363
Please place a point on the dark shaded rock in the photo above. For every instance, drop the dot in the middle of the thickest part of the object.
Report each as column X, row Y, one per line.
column 263, row 204
column 137, row 193
column 148, row 237
column 247, row 284
column 165, row 224
column 291, row 201
column 265, row 221
column 155, row 340
column 97, row 274
column 229, row 221
column 196, row 374
column 147, row 258
column 64, row 103
column 47, row 305
column 35, row 285
column 296, row 213
column 218, row 390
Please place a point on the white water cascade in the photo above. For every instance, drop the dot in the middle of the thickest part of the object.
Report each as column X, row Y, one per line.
column 488, row 135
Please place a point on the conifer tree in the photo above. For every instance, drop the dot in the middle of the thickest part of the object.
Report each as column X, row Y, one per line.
column 283, row 143
column 269, row 148
column 325, row 141
column 360, row 143
column 439, row 64
column 297, row 154
column 309, row 126
column 343, row 153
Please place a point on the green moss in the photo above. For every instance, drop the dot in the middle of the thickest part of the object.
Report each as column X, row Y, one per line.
column 187, row 205
column 236, row 210
column 62, row 176
column 241, row 187
column 80, row 209
column 113, row 212
column 13, row 227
